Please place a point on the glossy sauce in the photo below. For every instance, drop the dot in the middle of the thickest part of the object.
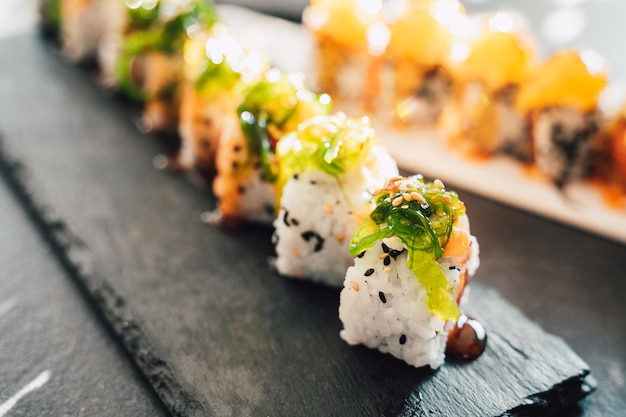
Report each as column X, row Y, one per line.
column 466, row 340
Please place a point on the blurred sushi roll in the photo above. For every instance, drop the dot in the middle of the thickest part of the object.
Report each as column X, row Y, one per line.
column 497, row 61
column 149, row 66
column 618, row 150
column 421, row 39
column 414, row 258
column 84, row 24
column 329, row 166
column 561, row 98
column 609, row 161
column 49, row 17
column 350, row 38
column 218, row 67
column 246, row 163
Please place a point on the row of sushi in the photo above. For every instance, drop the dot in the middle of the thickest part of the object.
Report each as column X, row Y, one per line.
column 400, row 247
column 424, row 62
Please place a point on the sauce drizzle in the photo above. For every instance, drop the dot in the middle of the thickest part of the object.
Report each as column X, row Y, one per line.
column 466, row 340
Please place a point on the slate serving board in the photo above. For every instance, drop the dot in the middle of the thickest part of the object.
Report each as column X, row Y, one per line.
column 213, row 328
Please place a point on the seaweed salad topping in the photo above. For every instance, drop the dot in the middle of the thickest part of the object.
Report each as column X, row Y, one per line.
column 158, row 26
column 333, row 144
column 221, row 63
column 272, row 107
column 421, row 214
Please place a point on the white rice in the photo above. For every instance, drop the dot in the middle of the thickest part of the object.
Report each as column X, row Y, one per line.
column 318, row 216
column 563, row 143
column 384, row 306
column 84, row 29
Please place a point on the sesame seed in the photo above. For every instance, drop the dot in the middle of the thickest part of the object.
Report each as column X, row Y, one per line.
column 432, row 191
column 295, row 221
column 405, row 206
column 402, row 339
column 407, row 196
column 360, row 255
column 340, row 237
column 386, row 261
column 328, row 208
column 387, row 269
column 295, row 252
column 397, row 201
column 354, row 285
column 417, row 196
column 382, row 297
column 439, row 184
column 446, row 198
column 369, row 272
column 385, row 247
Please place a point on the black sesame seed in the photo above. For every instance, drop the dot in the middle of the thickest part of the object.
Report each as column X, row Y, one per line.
column 453, row 267
column 369, row 272
column 385, row 248
column 295, row 221
column 387, row 260
column 402, row 339
column 295, row 176
column 313, row 182
column 310, row 234
column 360, row 255
column 394, row 253
column 382, row 297
column 286, row 218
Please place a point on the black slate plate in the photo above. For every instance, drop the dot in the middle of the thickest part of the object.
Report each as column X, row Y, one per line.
column 213, row 328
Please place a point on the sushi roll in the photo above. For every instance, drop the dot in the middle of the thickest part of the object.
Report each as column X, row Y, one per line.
column 149, row 67
column 414, row 258
column 498, row 61
column 246, row 163
column 217, row 69
column 84, row 24
column 418, row 54
column 329, row 166
column 349, row 35
column 49, row 17
column 561, row 98
column 609, row 161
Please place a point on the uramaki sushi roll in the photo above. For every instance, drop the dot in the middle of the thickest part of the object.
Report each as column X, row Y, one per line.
column 561, row 98
column 414, row 257
column 218, row 68
column 485, row 120
column 344, row 45
column 150, row 65
column 418, row 53
column 49, row 17
column 84, row 24
column 246, row 163
column 329, row 167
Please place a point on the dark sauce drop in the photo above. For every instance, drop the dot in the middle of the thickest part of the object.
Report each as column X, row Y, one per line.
column 466, row 340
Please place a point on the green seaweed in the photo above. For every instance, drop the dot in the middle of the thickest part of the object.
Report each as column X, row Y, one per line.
column 275, row 104
column 424, row 228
